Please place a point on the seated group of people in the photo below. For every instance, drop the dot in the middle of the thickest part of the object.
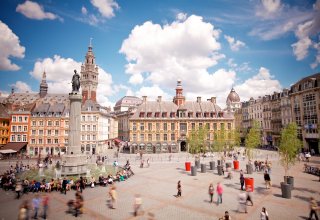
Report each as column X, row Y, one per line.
column 262, row 166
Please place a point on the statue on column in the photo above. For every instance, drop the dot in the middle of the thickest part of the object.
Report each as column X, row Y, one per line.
column 75, row 82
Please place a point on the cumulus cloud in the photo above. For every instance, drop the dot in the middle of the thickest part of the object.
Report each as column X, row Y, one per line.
column 35, row 11
column 152, row 92
column 21, row 87
column 301, row 48
column 84, row 10
column 234, row 44
column 181, row 16
column 259, row 85
column 268, row 8
column 162, row 54
column 59, row 74
column 105, row 7
column 9, row 47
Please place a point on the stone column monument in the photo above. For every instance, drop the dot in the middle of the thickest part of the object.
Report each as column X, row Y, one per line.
column 74, row 162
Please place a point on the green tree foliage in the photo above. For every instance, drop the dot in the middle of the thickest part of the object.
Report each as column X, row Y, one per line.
column 289, row 146
column 197, row 140
column 220, row 141
column 235, row 138
column 253, row 139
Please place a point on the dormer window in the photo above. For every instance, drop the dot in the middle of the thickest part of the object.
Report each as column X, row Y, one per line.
column 190, row 114
column 212, row 114
column 198, row 114
column 157, row 114
column 141, row 115
column 164, row 114
column 149, row 114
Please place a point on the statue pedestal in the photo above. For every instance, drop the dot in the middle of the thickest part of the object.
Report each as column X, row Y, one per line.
column 74, row 165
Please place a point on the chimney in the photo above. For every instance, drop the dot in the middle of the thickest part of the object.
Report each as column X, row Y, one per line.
column 213, row 100
column 144, row 98
column 198, row 99
column 159, row 98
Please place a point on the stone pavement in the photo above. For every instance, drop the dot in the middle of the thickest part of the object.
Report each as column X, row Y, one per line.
column 157, row 186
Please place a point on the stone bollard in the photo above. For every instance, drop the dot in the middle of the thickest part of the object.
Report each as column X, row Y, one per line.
column 203, row 168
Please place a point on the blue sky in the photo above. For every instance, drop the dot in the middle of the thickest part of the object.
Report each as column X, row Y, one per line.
column 142, row 47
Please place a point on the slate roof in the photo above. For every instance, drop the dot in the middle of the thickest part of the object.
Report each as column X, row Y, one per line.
column 4, row 112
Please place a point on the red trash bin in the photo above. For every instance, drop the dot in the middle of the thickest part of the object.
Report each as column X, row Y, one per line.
column 188, row 166
column 236, row 164
column 249, row 184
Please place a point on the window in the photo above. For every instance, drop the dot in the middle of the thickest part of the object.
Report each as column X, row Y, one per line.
column 149, row 126
column 56, row 140
column 142, row 126
column 88, row 137
column 94, row 127
column 18, row 137
column 200, row 125
column 66, row 132
column 229, row 126
column 83, row 127
column 83, row 118
column 183, row 126
column 34, row 123
column 173, row 137
column 49, row 132
column 14, row 118
column 149, row 137
column 214, row 126
column 14, row 128
column 57, row 123
column 88, row 127
column 20, row 118
column 94, row 137
column 94, row 118
column 222, row 126
column 157, row 137
column 88, row 147
column 33, row 141
column 24, row 138
column 48, row 141
column 134, row 137
column 25, row 118
column 40, row 132
column 66, row 141
column 19, row 128
column 172, row 127
column 83, row 137
column 165, row 126
column 89, row 118
column 141, row 137
column 56, row 132
column 25, row 128
column 49, row 123
column 134, row 126
column 165, row 137
column 13, row 138
column 157, row 126
column 40, row 141
column 33, row 132
column 208, row 126
column 193, row 125
column 40, row 123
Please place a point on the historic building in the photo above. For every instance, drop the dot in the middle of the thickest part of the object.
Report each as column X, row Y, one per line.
column 305, row 106
column 4, row 125
column 233, row 101
column 163, row 126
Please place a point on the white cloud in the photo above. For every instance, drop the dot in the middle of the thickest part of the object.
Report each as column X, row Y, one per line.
column 59, row 74
column 181, row 16
column 84, row 10
column 182, row 49
column 301, row 48
column 268, row 8
column 105, row 7
column 21, row 87
column 234, row 44
column 9, row 47
column 317, row 60
column 258, row 85
column 152, row 93
column 33, row 10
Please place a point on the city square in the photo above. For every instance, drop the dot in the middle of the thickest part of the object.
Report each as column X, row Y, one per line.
column 168, row 109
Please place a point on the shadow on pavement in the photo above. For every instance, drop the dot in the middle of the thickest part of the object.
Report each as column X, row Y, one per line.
column 278, row 195
column 302, row 189
column 303, row 198
column 303, row 217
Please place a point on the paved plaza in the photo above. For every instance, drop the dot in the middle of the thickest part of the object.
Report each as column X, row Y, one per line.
column 157, row 186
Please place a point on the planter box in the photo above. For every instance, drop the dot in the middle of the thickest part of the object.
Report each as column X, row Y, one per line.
column 285, row 190
column 193, row 170
column 289, row 180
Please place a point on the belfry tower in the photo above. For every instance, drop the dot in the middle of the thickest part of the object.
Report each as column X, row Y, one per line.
column 179, row 99
column 43, row 85
column 89, row 76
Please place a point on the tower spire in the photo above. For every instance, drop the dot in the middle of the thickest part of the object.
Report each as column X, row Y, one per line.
column 43, row 85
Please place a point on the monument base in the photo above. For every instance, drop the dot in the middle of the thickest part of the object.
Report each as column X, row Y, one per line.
column 74, row 165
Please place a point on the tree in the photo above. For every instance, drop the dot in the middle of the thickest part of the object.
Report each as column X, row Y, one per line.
column 253, row 139
column 220, row 140
column 197, row 140
column 289, row 146
column 235, row 138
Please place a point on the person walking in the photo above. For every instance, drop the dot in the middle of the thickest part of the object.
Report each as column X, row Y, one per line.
column 64, row 185
column 267, row 179
column 242, row 202
column 82, row 184
column 313, row 208
column 137, row 204
column 45, row 205
column 179, row 189
column 264, row 214
column 219, row 192
column 35, row 204
column 18, row 188
column 241, row 180
column 113, row 197
column 249, row 196
column 24, row 211
column 211, row 192
column 226, row 216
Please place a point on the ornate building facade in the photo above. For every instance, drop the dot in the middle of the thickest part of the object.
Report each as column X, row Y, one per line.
column 163, row 126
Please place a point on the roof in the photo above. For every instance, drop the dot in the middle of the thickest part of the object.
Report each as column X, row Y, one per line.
column 233, row 96
column 4, row 112
column 129, row 101
column 17, row 146
column 90, row 105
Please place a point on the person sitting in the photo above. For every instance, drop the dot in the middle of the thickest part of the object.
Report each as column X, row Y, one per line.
column 110, row 179
column 92, row 182
column 101, row 182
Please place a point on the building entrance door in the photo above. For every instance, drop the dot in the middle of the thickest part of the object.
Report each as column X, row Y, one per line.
column 183, row 146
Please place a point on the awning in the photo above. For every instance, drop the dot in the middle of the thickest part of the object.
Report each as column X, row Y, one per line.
column 117, row 140
column 9, row 151
column 16, row 146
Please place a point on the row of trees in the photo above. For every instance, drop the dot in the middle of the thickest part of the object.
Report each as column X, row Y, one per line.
column 199, row 142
